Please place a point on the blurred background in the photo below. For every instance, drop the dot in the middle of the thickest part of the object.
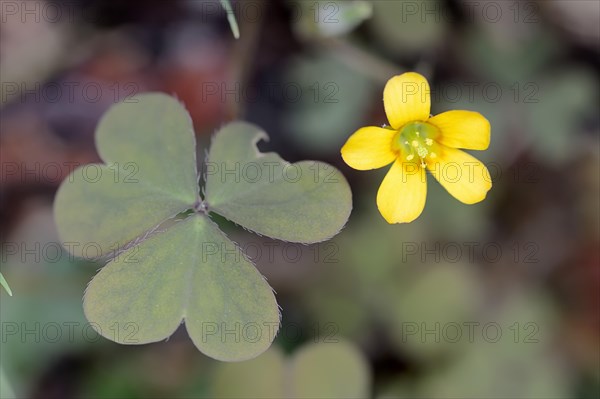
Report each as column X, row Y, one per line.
column 495, row 300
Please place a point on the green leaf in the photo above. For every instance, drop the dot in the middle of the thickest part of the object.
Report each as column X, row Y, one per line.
column 168, row 261
column 305, row 202
column 150, row 175
column 329, row 370
column 4, row 284
column 231, row 18
column 192, row 272
column 262, row 377
column 324, row 370
column 6, row 391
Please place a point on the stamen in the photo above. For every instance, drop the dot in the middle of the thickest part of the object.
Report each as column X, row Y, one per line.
column 422, row 151
column 433, row 155
column 410, row 157
column 415, row 143
column 429, row 142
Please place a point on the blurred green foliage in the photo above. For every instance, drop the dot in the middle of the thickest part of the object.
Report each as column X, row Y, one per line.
column 331, row 370
column 5, row 285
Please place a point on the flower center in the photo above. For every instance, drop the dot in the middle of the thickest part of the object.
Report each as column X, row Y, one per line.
column 416, row 141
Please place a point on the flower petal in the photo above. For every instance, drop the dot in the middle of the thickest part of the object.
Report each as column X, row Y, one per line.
column 462, row 129
column 462, row 175
column 369, row 148
column 406, row 98
column 401, row 197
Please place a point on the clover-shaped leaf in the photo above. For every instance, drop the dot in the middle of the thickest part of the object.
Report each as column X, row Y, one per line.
column 168, row 261
column 304, row 202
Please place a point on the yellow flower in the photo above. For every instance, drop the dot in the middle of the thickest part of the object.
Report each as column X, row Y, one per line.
column 416, row 141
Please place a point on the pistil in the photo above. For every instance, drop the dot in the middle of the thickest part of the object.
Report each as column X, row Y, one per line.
column 416, row 139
